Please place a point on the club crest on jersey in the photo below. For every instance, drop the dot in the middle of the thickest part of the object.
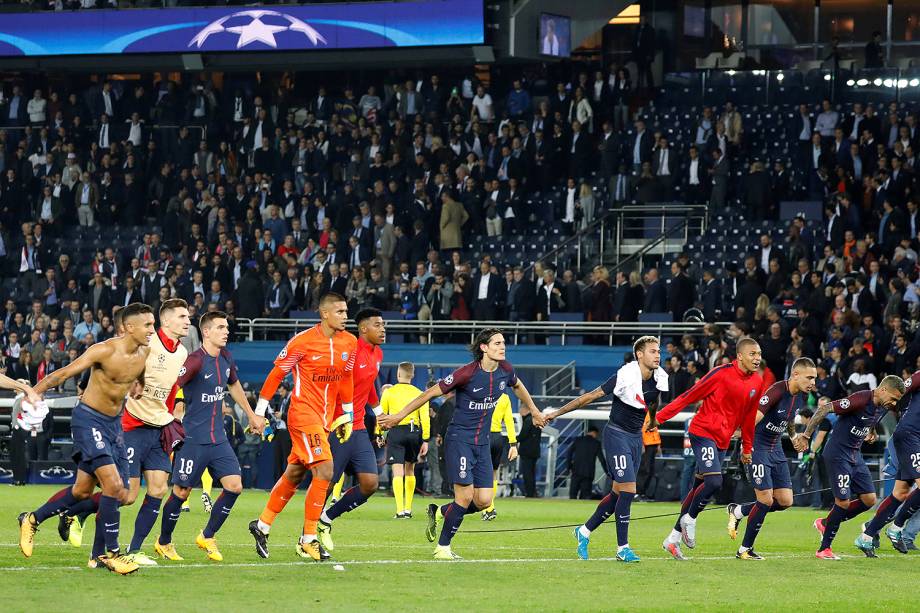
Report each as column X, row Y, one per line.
column 317, row 451
column 764, row 401
column 753, row 391
column 620, row 473
column 344, row 356
column 758, row 480
column 845, row 403
column 708, row 463
column 463, row 474
column 227, row 373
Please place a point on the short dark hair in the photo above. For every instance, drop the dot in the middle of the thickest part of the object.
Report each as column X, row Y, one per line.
column 483, row 338
column 172, row 304
column 642, row 341
column 118, row 319
column 207, row 318
column 367, row 314
column 329, row 298
column 803, row 363
column 747, row 340
column 133, row 309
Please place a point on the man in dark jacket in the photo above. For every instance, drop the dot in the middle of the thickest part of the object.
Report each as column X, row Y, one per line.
column 656, row 297
column 583, row 457
column 250, row 294
column 529, row 453
column 681, row 294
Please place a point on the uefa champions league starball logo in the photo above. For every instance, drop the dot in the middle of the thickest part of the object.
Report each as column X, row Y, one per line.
column 257, row 30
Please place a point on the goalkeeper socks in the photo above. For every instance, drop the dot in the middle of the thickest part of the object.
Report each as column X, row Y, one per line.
column 107, row 521
column 219, row 513
column 84, row 508
column 58, row 503
column 491, row 507
column 313, row 505
column 604, row 510
column 755, row 522
column 856, row 507
column 453, row 517
column 172, row 511
column 884, row 514
column 143, row 524
column 207, row 482
column 410, row 492
column 352, row 499
column 622, row 508
column 399, row 494
column 910, row 506
column 280, row 496
column 831, row 525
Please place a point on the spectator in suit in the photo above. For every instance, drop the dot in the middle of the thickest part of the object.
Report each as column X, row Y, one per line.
column 579, row 150
column 695, row 177
column 719, row 173
column 681, row 295
column 453, row 216
column 664, row 164
column 608, row 145
column 656, row 297
column 521, row 303
column 487, row 293
column 585, row 453
column 711, row 297
column 757, row 201
column 550, row 298
column 641, row 147
column 874, row 56
column 278, row 298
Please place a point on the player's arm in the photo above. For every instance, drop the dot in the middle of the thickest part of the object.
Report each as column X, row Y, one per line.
column 820, row 413
column 12, row 384
column 702, row 388
column 256, row 423
column 388, row 421
column 800, row 445
column 520, row 390
column 508, row 419
column 290, row 355
column 576, row 403
column 93, row 354
column 179, row 404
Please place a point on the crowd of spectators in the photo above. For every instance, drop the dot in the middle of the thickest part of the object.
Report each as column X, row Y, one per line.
column 256, row 200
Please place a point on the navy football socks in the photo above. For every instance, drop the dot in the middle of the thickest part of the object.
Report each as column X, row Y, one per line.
column 352, row 499
column 711, row 485
column 146, row 518
column 755, row 522
column 172, row 510
column 107, row 521
column 219, row 513
column 856, row 507
column 84, row 508
column 624, row 502
column 911, row 505
column 605, row 508
column 688, row 500
column 884, row 514
column 832, row 524
column 57, row 504
column 453, row 517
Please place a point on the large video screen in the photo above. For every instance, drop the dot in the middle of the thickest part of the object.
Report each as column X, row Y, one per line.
column 281, row 27
column 555, row 35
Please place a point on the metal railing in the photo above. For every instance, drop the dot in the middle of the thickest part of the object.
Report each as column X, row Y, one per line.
column 560, row 382
column 585, row 241
column 556, row 332
column 665, row 219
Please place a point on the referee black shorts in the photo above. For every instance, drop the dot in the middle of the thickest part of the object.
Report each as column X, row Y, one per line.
column 404, row 444
column 498, row 447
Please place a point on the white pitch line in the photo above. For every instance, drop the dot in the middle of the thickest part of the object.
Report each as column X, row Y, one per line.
column 390, row 562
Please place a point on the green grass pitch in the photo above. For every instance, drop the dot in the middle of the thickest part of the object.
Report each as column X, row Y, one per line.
column 388, row 566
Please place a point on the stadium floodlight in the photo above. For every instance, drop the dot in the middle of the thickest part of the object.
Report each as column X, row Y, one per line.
column 888, row 83
column 862, row 82
column 827, row 77
column 850, row 82
column 915, row 82
column 902, row 83
column 877, row 83
column 730, row 72
column 780, row 77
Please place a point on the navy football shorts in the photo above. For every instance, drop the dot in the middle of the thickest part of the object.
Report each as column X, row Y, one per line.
column 623, row 452
column 356, row 455
column 849, row 475
column 769, row 470
column 907, row 448
column 468, row 463
column 708, row 456
column 98, row 440
column 145, row 452
column 192, row 458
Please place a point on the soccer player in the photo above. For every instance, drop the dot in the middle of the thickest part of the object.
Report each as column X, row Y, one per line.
column 351, row 445
column 769, row 470
column 322, row 358
column 478, row 386
column 636, row 387
column 729, row 395
column 144, row 419
column 900, row 506
column 854, row 491
column 502, row 415
column 207, row 376
column 407, row 441
column 99, row 451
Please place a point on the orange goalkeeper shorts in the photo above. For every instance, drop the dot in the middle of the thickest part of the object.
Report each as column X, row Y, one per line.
column 309, row 445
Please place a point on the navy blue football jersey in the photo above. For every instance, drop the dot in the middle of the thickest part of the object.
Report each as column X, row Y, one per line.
column 857, row 416
column 477, row 393
column 779, row 406
column 204, row 380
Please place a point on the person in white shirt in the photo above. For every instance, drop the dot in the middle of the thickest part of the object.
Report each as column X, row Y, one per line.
column 550, row 44
column 36, row 109
column 482, row 105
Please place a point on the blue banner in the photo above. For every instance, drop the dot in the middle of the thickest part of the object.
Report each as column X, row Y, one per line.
column 279, row 28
